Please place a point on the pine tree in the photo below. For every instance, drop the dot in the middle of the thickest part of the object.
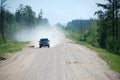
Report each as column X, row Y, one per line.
column 2, row 7
column 109, row 27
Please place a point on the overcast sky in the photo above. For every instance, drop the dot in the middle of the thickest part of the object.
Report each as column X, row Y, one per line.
column 59, row 10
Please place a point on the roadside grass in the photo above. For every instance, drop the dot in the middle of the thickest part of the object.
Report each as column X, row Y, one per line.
column 11, row 46
column 112, row 60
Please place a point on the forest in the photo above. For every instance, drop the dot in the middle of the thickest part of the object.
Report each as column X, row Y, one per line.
column 103, row 32
column 24, row 18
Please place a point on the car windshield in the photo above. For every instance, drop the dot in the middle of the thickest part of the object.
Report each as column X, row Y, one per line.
column 43, row 39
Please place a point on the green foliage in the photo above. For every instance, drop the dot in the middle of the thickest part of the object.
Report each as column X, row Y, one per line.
column 92, row 34
column 87, row 33
column 11, row 46
column 78, row 25
column 2, row 40
column 2, row 12
column 109, row 28
column 24, row 18
column 78, row 29
column 74, row 35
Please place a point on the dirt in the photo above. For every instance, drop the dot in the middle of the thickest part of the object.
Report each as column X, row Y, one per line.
column 65, row 61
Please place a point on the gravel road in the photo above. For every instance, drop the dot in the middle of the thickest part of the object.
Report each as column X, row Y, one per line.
column 65, row 61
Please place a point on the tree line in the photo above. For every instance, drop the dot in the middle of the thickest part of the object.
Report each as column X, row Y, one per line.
column 109, row 27
column 103, row 32
column 23, row 18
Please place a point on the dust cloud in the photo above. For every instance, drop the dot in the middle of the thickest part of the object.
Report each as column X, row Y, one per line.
column 52, row 33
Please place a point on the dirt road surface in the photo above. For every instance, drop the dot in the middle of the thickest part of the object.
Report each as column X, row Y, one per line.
column 65, row 61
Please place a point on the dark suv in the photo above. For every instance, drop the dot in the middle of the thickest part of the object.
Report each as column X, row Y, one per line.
column 44, row 42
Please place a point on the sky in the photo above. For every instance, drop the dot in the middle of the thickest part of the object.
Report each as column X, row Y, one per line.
column 59, row 11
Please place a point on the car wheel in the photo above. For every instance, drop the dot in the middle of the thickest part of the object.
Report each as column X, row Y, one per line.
column 40, row 46
column 48, row 46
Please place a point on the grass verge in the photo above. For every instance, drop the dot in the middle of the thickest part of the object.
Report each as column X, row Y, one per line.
column 113, row 60
column 11, row 46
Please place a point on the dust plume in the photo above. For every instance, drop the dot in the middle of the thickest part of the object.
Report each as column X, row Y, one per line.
column 34, row 35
